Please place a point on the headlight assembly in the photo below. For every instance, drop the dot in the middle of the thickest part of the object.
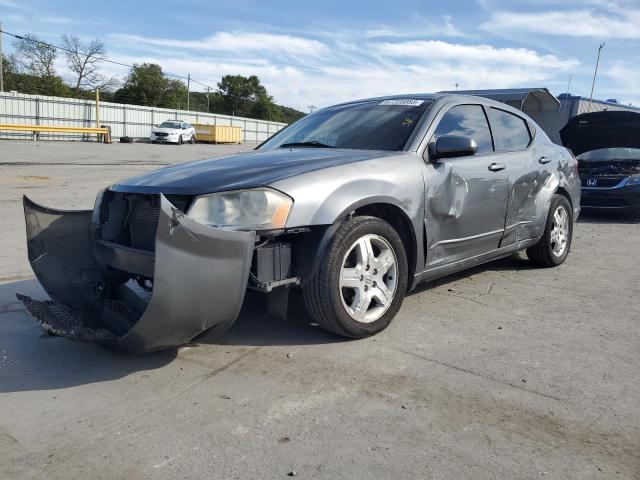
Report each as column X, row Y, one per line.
column 259, row 209
column 634, row 180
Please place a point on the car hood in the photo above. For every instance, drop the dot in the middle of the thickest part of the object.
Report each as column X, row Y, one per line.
column 252, row 169
column 593, row 131
column 166, row 130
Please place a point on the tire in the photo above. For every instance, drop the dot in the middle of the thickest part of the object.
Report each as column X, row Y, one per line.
column 180, row 142
column 329, row 303
column 548, row 252
column 193, row 139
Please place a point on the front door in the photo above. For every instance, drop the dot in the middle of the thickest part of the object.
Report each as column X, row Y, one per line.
column 466, row 197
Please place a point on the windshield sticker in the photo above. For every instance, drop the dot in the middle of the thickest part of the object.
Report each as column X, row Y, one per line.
column 407, row 122
column 412, row 102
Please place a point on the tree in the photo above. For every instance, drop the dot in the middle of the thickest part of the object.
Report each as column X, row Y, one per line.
column 265, row 109
column 35, row 57
column 147, row 85
column 241, row 93
column 83, row 60
column 8, row 72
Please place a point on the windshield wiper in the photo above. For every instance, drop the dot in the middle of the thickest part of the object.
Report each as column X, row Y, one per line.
column 310, row 143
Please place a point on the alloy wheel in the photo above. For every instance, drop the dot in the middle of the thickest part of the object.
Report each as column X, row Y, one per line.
column 560, row 231
column 368, row 278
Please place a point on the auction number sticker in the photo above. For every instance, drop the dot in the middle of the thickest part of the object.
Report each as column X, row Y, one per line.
column 402, row 101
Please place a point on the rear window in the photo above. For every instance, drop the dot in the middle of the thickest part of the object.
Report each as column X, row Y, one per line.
column 510, row 132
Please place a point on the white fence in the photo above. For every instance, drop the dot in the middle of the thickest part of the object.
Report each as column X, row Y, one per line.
column 124, row 120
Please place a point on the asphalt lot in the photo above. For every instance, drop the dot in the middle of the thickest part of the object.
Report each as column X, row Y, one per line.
column 505, row 371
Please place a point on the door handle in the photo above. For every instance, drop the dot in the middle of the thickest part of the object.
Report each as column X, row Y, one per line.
column 544, row 160
column 496, row 167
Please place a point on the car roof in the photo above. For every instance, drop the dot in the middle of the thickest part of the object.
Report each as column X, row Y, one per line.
column 447, row 96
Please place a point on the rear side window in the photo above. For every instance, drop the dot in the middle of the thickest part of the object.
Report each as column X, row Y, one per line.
column 467, row 121
column 509, row 131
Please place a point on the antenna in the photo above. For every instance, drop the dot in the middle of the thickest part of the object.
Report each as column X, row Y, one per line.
column 596, row 70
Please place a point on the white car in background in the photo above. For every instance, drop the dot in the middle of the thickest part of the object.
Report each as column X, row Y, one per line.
column 173, row 131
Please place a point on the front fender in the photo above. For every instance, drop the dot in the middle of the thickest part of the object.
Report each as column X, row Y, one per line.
column 325, row 196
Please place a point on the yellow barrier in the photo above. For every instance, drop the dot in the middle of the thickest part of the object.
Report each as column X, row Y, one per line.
column 218, row 133
column 106, row 136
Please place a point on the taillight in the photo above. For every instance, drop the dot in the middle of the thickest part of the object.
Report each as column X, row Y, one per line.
column 575, row 159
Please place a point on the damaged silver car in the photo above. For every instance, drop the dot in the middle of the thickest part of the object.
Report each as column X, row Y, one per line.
column 355, row 204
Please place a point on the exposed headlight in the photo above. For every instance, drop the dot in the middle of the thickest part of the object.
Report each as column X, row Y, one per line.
column 257, row 209
column 634, row 180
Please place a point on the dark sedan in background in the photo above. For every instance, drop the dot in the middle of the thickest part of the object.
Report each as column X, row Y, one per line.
column 607, row 145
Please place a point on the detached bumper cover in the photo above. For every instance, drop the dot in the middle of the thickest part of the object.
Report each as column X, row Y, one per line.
column 199, row 280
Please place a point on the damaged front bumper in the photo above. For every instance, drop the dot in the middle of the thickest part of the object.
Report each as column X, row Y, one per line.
column 199, row 275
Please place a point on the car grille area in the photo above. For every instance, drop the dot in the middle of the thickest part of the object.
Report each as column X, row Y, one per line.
column 143, row 222
column 601, row 182
column 161, row 134
column 137, row 217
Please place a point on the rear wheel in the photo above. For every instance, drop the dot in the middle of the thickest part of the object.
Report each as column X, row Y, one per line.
column 553, row 247
column 193, row 139
column 362, row 280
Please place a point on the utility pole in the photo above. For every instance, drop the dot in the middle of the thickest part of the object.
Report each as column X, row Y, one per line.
column 457, row 85
column 208, row 88
column 566, row 99
column 188, row 87
column 98, row 110
column 1, row 66
column 596, row 70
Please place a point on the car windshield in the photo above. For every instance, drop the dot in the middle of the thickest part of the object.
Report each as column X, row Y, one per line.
column 371, row 125
column 169, row 125
column 608, row 154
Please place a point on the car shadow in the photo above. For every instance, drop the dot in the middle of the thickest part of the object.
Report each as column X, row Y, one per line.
column 588, row 215
column 255, row 327
column 32, row 360
column 513, row 263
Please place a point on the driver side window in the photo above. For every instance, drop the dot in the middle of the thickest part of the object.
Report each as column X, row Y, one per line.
column 467, row 121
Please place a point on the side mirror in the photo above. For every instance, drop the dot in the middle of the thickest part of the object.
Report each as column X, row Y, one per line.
column 449, row 146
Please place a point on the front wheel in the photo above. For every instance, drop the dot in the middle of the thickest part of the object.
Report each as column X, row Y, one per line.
column 180, row 141
column 361, row 281
column 553, row 247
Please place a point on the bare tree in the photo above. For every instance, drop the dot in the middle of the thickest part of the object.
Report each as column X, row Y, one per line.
column 35, row 57
column 83, row 60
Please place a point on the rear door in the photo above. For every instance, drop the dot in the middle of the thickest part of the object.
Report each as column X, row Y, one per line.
column 527, row 171
column 466, row 197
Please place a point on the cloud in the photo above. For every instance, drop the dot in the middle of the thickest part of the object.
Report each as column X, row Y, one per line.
column 369, row 69
column 420, row 28
column 625, row 80
column 237, row 41
column 13, row 5
column 439, row 50
column 606, row 22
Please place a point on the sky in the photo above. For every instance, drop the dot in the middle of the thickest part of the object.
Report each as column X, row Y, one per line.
column 323, row 52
